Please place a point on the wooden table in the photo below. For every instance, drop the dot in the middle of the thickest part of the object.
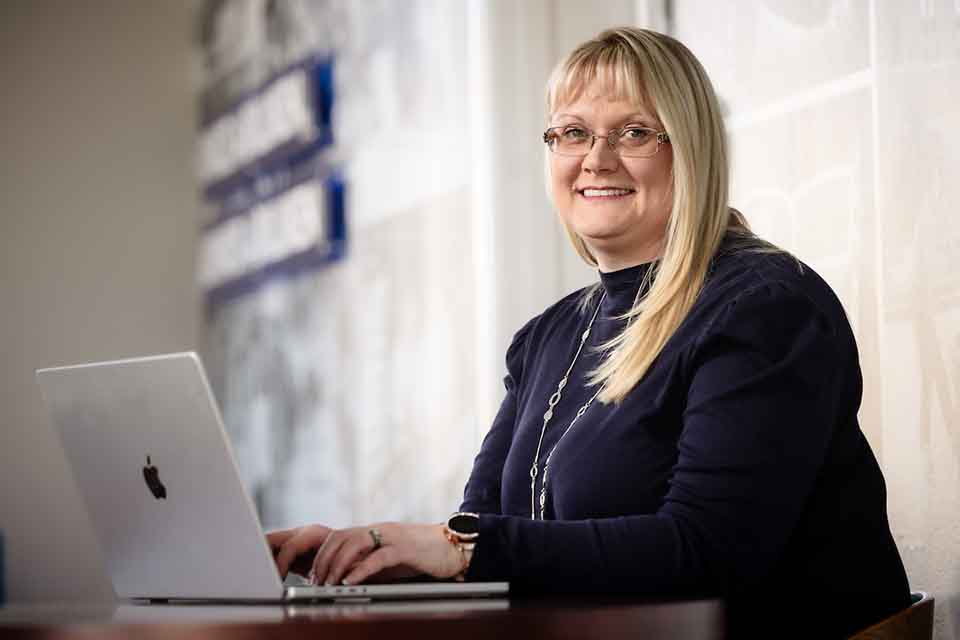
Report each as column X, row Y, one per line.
column 448, row 620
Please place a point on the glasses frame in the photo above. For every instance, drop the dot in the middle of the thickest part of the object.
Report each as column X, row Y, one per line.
column 613, row 138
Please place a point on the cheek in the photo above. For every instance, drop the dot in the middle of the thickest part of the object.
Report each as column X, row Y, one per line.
column 562, row 180
column 653, row 181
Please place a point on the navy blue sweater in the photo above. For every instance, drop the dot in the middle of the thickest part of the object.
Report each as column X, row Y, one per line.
column 736, row 467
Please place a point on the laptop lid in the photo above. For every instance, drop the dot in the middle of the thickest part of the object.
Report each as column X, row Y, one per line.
column 151, row 458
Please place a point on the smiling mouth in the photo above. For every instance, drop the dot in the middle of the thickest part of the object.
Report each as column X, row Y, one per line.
column 611, row 193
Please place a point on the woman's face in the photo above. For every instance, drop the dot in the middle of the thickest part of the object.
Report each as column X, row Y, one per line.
column 627, row 227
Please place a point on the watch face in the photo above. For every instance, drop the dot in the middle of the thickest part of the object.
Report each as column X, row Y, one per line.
column 464, row 524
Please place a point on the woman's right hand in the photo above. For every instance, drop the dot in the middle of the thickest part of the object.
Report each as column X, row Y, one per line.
column 295, row 549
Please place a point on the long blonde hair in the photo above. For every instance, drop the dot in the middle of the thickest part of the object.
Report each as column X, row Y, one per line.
column 659, row 72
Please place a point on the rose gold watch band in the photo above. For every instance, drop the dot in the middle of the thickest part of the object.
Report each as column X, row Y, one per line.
column 465, row 549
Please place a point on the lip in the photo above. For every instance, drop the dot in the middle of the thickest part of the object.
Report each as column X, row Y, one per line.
column 603, row 186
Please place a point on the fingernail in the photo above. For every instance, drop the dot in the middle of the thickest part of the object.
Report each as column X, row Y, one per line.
column 327, row 583
column 345, row 583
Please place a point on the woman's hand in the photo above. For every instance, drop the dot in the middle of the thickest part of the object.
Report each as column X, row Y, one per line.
column 350, row 556
column 293, row 549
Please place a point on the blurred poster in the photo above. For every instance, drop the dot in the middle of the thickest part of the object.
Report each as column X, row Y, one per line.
column 344, row 369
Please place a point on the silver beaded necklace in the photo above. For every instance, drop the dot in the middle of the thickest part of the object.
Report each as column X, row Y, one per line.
column 554, row 399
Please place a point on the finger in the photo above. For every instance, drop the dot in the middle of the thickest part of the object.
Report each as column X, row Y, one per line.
column 304, row 540
column 275, row 539
column 303, row 563
column 288, row 552
column 329, row 549
column 286, row 556
column 359, row 545
column 381, row 559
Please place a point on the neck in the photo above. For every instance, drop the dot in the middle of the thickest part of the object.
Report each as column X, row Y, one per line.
column 608, row 263
column 625, row 253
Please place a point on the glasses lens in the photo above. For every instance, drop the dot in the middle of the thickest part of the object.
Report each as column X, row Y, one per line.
column 637, row 142
column 570, row 141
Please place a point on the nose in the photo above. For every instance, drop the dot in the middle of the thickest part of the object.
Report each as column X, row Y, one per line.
column 601, row 158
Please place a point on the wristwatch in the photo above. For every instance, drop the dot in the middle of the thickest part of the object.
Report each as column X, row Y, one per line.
column 463, row 530
column 464, row 527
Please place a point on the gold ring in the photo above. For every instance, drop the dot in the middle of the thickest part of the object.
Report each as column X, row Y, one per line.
column 377, row 539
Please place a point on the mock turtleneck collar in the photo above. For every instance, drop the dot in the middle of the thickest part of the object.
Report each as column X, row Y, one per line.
column 621, row 286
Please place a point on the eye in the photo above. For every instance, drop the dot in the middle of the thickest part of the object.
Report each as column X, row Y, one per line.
column 574, row 134
column 636, row 135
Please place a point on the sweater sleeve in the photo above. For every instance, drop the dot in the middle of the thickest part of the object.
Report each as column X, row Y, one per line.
column 764, row 382
column 482, row 492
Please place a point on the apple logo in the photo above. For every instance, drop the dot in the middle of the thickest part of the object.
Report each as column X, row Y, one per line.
column 152, row 476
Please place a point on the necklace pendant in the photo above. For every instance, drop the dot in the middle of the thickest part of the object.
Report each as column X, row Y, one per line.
column 554, row 399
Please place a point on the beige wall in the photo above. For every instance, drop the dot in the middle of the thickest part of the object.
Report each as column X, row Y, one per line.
column 845, row 126
column 97, row 235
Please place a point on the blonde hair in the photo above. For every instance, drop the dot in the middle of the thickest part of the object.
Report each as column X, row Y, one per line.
column 660, row 73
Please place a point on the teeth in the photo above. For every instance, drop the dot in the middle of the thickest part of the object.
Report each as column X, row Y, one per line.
column 596, row 193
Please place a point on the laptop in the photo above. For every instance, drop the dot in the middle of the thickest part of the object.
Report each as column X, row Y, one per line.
column 150, row 456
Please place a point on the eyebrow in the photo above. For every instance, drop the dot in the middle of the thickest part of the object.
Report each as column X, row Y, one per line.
column 627, row 118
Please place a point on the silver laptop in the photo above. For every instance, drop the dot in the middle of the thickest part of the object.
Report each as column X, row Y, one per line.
column 151, row 458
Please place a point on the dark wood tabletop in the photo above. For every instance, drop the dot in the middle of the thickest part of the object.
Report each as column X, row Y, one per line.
column 450, row 620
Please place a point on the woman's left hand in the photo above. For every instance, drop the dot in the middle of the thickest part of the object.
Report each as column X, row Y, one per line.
column 350, row 556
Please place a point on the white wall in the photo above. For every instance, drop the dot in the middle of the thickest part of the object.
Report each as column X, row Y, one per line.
column 97, row 232
column 525, row 262
column 844, row 126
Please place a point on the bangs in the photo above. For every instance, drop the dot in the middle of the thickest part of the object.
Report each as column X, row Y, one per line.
column 607, row 66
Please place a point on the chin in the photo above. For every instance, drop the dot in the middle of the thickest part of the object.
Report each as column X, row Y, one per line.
column 598, row 237
column 596, row 228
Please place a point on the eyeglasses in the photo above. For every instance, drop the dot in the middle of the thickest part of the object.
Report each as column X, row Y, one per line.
column 629, row 142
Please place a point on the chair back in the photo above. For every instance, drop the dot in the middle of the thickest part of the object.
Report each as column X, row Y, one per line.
column 913, row 623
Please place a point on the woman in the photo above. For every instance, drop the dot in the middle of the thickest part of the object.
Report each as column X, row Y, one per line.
column 686, row 426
